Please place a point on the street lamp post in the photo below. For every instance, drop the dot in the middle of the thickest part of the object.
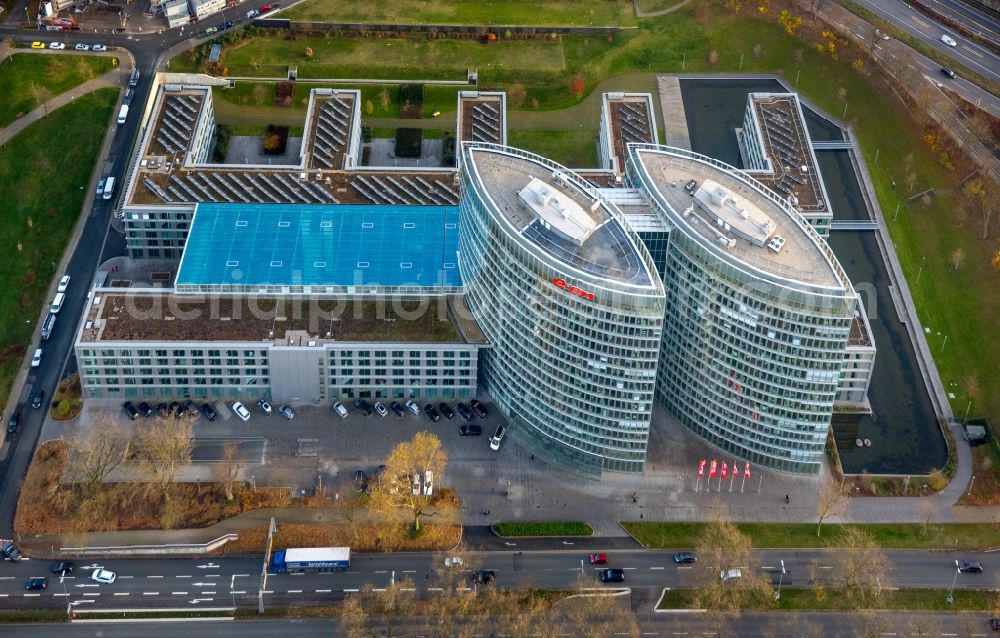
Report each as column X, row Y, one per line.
column 780, row 579
column 951, row 597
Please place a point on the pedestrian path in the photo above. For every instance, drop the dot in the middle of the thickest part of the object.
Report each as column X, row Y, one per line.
column 672, row 105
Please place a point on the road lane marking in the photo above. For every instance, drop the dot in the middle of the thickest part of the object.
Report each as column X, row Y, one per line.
column 657, row 568
column 30, row 595
column 382, row 572
column 379, row 589
column 323, row 591
column 150, row 593
column 980, row 56
column 434, row 589
column 178, row 593
column 630, row 568
column 6, row 578
column 121, row 593
column 4, row 595
column 237, row 592
column 291, row 591
column 186, row 576
column 686, row 567
column 154, row 576
column 240, row 575
column 920, row 22
column 208, row 593
column 121, row 577
column 60, row 594
column 350, row 590
column 409, row 571
column 409, row 589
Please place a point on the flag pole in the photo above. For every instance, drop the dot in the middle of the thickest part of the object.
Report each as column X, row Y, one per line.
column 742, row 483
column 732, row 478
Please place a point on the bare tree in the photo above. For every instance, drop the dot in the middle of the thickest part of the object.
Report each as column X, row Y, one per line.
column 404, row 485
column 163, row 446
column 596, row 614
column 859, row 567
column 373, row 613
column 97, row 450
column 723, row 548
column 227, row 469
column 830, row 502
column 40, row 95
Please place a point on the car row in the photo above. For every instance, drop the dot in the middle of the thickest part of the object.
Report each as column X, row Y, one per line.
column 164, row 410
column 59, row 46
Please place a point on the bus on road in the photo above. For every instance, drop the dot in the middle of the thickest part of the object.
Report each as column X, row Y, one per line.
column 311, row 559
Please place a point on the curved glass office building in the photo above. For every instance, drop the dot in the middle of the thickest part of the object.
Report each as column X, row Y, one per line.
column 571, row 304
column 758, row 311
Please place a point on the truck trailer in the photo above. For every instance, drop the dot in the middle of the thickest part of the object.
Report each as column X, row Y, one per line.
column 311, row 559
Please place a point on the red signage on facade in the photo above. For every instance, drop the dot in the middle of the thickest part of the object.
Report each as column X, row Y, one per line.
column 561, row 283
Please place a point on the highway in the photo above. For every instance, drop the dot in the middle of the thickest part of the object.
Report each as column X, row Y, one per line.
column 217, row 582
column 976, row 21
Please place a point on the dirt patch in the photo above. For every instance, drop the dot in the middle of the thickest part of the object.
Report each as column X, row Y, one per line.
column 360, row 537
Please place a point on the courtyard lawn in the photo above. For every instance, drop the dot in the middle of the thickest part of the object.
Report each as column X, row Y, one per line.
column 504, row 12
column 54, row 73
column 573, row 149
column 45, row 174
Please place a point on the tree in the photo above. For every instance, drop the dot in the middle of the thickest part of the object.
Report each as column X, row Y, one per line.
column 517, row 94
column 309, row 52
column 227, row 469
column 722, row 547
column 410, row 464
column 255, row 62
column 97, row 450
column 595, row 615
column 84, row 69
column 830, row 502
column 982, row 197
column 577, row 86
column 859, row 568
column 372, row 613
column 40, row 95
column 162, row 447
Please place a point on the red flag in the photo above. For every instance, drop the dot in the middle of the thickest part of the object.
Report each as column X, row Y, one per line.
column 746, row 471
column 724, row 468
column 712, row 469
column 701, row 468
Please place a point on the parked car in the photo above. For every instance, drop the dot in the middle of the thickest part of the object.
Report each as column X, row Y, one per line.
column 431, row 413
column 252, row 13
column 208, row 411
column 211, row 30
column 130, row 410
column 37, row 397
column 497, row 438
column 37, row 583
column 14, row 422
column 287, row 412
column 36, row 359
column 145, row 409
column 950, row 41
column 970, row 567
column 340, row 410
column 881, row 35
column 241, row 411
column 162, row 409
column 228, row 24
column 264, row 8
column 99, row 47
column 685, row 557
column 58, row 46
column 364, row 406
column 190, row 408
column 398, row 409
column 82, row 47
column 37, row 45
column 485, row 577
column 948, row 73
column 100, row 185
column 380, row 409
column 63, row 284
column 730, row 574
column 413, row 407
column 995, row 624
column 478, row 408
column 446, row 410
column 172, row 408
column 63, row 567
column 612, row 575
column 470, row 430
column 179, row 410
column 265, row 407
column 598, row 559
column 453, row 561
column 10, row 551
column 464, row 410
column 103, row 576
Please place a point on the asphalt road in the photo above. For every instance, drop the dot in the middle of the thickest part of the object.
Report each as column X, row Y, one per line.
column 976, row 21
column 223, row 582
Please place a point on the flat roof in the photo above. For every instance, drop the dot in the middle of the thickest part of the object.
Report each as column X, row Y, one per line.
column 733, row 211
column 482, row 117
column 328, row 133
column 160, row 316
column 802, row 258
column 608, row 253
column 175, row 121
column 631, row 122
column 557, row 212
column 341, row 245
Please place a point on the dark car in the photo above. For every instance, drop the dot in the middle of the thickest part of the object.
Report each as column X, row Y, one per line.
column 470, row 430
column 446, row 410
column 364, row 406
column 13, row 422
column 485, row 577
column 130, row 410
column 145, row 409
column 174, row 408
column 398, row 409
column 36, row 583
column 464, row 411
column 208, row 411
column 229, row 24
column 948, row 73
column 970, row 567
column 612, row 575
column 685, row 557
column 478, row 408
column 162, row 409
column 598, row 559
column 36, row 399
column 995, row 624
column 10, row 550
column 431, row 413
column 63, row 567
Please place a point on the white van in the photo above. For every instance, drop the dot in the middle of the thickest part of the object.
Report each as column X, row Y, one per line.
column 122, row 113
column 109, row 188
column 47, row 326
column 37, row 359
column 57, row 302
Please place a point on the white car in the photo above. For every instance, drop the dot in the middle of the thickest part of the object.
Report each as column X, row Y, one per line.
column 82, row 47
column 881, row 35
column 99, row 47
column 58, row 46
column 950, row 41
column 730, row 574
column 63, row 284
column 339, row 408
column 211, row 30
column 241, row 411
column 37, row 359
column 380, row 409
column 103, row 576
column 413, row 407
column 453, row 561
column 497, row 438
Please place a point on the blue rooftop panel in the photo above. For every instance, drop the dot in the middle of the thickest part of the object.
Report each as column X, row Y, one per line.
column 310, row 245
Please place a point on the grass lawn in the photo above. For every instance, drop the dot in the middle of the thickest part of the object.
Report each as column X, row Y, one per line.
column 803, row 535
column 793, row 598
column 542, row 528
column 55, row 73
column 505, row 12
column 574, row 149
column 44, row 178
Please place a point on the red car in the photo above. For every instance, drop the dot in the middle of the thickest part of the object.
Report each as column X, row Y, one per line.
column 265, row 8
column 598, row 559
